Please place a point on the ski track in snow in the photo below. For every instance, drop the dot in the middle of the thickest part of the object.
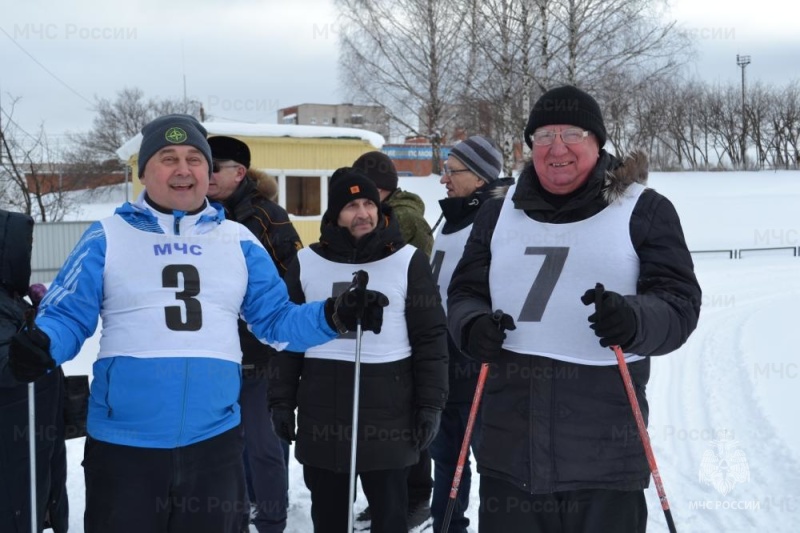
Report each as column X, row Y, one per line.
column 705, row 390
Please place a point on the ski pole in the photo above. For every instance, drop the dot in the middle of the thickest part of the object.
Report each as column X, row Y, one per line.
column 643, row 435
column 32, row 451
column 462, row 455
column 359, row 284
column 30, row 324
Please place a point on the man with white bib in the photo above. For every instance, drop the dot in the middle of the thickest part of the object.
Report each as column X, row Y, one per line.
column 403, row 384
column 471, row 178
column 169, row 276
column 580, row 256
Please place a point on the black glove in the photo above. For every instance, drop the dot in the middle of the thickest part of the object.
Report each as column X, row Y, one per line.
column 341, row 313
column 486, row 335
column 283, row 422
column 613, row 320
column 29, row 354
column 427, row 422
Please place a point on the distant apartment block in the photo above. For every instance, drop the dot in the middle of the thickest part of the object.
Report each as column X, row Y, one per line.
column 367, row 117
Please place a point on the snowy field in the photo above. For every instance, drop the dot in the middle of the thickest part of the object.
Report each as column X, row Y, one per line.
column 720, row 407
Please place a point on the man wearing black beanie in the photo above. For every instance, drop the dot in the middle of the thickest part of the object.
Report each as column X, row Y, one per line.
column 409, row 210
column 403, row 384
column 580, row 256
column 407, row 206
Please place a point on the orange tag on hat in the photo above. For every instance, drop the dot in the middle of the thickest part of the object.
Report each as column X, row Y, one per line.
column 354, row 189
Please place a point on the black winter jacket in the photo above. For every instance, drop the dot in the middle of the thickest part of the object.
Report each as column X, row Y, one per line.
column 322, row 390
column 270, row 223
column 458, row 214
column 16, row 234
column 550, row 425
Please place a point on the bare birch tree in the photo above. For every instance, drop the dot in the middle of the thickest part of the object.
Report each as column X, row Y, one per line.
column 119, row 119
column 401, row 54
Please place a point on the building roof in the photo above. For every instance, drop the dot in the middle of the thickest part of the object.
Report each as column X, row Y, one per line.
column 243, row 129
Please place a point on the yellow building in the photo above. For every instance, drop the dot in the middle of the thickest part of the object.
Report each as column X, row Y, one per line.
column 302, row 158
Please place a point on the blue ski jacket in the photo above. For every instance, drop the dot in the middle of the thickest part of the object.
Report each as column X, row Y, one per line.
column 145, row 398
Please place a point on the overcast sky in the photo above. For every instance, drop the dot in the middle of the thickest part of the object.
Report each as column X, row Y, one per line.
column 244, row 59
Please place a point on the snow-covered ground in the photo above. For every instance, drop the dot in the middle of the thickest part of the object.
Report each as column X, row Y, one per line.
column 720, row 407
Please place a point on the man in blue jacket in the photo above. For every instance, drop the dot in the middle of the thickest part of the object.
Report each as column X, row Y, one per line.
column 169, row 276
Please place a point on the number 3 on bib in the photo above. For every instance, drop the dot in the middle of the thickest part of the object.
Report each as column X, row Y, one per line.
column 170, row 278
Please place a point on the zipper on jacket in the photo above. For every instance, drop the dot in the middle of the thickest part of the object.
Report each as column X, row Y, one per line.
column 553, row 408
column 183, row 404
column 178, row 215
column 531, row 431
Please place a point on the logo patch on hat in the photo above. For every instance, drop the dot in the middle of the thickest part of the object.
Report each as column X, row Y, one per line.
column 355, row 189
column 175, row 135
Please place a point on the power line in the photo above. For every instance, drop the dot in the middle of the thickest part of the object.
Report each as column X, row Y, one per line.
column 53, row 75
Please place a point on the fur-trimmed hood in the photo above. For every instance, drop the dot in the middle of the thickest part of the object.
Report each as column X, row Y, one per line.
column 633, row 168
column 266, row 184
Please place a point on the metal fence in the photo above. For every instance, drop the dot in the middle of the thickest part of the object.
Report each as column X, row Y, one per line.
column 52, row 243
column 739, row 253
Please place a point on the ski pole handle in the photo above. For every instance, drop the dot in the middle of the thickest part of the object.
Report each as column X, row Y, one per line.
column 360, row 280
column 359, row 288
column 497, row 318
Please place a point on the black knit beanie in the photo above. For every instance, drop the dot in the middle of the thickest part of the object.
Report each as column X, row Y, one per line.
column 566, row 105
column 169, row 130
column 346, row 185
column 378, row 167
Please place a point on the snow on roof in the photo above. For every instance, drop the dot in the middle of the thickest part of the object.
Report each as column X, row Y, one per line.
column 131, row 147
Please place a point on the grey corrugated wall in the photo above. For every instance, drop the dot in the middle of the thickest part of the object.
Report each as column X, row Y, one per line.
column 52, row 243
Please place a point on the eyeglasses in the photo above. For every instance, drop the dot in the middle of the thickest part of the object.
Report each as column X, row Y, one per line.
column 568, row 136
column 216, row 166
column 449, row 171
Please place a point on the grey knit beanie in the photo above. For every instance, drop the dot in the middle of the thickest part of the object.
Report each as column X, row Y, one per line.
column 480, row 156
column 175, row 129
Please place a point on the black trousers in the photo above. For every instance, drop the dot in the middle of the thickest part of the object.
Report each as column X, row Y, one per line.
column 506, row 508
column 264, row 455
column 15, row 502
column 385, row 491
column 420, row 482
column 192, row 489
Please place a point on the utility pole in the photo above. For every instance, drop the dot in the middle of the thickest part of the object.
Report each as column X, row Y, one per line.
column 743, row 61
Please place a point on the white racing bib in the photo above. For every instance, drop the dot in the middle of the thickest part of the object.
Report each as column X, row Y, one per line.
column 540, row 271
column 321, row 278
column 172, row 295
column 447, row 251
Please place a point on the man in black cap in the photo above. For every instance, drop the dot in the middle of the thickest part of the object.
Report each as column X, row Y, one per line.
column 239, row 189
column 407, row 206
column 170, row 276
column 559, row 450
column 403, row 370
